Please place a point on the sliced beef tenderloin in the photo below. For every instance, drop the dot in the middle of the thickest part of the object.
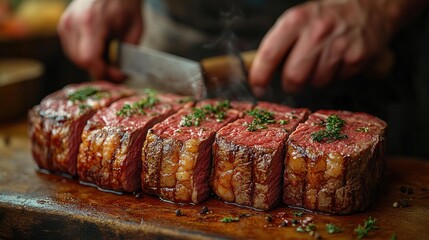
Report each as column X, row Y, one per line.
column 334, row 162
column 176, row 155
column 248, row 155
column 110, row 152
column 56, row 124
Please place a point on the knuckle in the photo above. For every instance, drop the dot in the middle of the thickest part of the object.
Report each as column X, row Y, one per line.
column 294, row 16
column 292, row 77
column 358, row 57
column 87, row 18
column 339, row 45
column 267, row 54
column 320, row 28
column 65, row 24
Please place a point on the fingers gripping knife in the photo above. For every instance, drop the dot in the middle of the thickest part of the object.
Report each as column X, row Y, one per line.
column 222, row 76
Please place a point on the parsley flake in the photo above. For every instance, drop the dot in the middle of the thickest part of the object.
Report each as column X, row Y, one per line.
column 332, row 228
column 218, row 112
column 333, row 125
column 362, row 129
column 369, row 225
column 83, row 94
column 261, row 118
column 298, row 214
column 138, row 107
column 230, row 219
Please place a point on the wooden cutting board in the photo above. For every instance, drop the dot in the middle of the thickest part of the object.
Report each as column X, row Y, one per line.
column 36, row 205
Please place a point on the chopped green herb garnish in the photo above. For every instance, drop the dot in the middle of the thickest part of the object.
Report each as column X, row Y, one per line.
column 218, row 112
column 393, row 237
column 138, row 107
column 333, row 125
column 186, row 99
column 83, row 93
column 283, row 122
column 331, row 228
column 369, row 225
column 83, row 106
column 230, row 219
column 261, row 118
column 310, row 227
column 362, row 129
column 298, row 214
column 262, row 115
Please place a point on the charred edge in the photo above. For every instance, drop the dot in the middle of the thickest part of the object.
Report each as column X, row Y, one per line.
column 251, row 156
column 115, row 180
column 112, row 159
column 48, row 150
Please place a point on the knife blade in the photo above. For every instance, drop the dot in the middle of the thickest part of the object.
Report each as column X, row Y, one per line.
column 220, row 76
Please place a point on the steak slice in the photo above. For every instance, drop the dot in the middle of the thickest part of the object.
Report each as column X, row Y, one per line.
column 56, row 124
column 248, row 158
column 337, row 176
column 112, row 140
column 176, row 155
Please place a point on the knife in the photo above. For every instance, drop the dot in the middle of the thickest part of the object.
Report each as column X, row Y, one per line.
column 220, row 76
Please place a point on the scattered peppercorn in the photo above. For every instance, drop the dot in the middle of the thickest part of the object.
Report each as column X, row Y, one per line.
column 205, row 210
column 294, row 222
column 410, row 191
column 268, row 218
column 284, row 223
column 178, row 213
column 395, row 204
column 403, row 189
column 244, row 215
column 139, row 195
column 404, row 203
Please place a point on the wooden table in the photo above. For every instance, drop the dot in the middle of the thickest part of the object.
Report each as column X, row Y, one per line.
column 38, row 205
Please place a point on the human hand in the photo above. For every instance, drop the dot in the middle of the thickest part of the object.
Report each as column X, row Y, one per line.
column 86, row 26
column 320, row 41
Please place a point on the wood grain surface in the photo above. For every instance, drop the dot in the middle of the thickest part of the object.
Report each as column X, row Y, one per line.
column 36, row 205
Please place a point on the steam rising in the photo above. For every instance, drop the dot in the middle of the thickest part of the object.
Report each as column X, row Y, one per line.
column 235, row 87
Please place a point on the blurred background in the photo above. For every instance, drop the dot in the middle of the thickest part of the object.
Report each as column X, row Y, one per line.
column 32, row 63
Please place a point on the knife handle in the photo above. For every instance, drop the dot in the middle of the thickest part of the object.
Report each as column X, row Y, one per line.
column 111, row 52
column 223, row 67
